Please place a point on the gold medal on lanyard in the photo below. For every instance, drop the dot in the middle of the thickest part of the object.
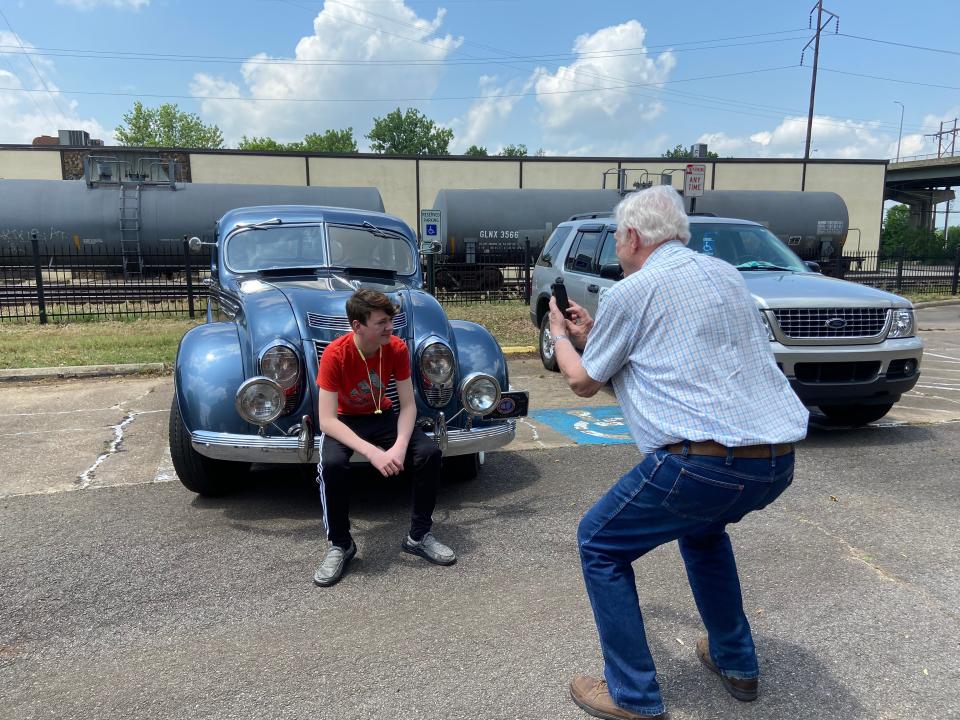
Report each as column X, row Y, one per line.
column 376, row 402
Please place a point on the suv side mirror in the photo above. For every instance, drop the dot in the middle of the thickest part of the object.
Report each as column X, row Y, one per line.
column 611, row 271
column 815, row 266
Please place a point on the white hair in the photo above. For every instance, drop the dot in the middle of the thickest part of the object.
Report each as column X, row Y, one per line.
column 656, row 214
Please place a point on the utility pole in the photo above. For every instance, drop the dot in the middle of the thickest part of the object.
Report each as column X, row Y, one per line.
column 821, row 24
column 946, row 140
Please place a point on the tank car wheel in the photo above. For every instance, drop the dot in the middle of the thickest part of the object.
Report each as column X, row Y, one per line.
column 854, row 415
column 547, row 355
column 202, row 475
column 491, row 278
column 463, row 468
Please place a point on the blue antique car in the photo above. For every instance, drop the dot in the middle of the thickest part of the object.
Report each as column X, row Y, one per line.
column 245, row 381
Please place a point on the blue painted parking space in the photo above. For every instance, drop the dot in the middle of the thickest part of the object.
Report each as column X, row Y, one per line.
column 587, row 426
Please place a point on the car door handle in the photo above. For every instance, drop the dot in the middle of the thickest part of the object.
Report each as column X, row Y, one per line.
column 593, row 288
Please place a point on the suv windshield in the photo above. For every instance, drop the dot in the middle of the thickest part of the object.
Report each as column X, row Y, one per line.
column 746, row 247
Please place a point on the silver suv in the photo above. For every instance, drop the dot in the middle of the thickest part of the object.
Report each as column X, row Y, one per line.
column 848, row 349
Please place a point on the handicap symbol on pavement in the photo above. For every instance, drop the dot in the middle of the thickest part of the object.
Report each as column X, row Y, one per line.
column 587, row 426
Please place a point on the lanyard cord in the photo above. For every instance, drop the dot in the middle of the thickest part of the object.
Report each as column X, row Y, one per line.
column 376, row 402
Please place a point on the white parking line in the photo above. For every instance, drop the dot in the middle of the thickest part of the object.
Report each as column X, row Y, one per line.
column 948, row 358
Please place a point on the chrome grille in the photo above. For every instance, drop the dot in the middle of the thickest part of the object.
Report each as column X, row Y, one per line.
column 816, row 322
column 390, row 392
column 438, row 396
column 340, row 322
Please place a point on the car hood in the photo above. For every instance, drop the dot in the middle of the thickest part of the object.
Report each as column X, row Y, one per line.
column 807, row 290
column 315, row 309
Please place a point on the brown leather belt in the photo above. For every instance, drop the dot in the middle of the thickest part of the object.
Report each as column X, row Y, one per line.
column 715, row 449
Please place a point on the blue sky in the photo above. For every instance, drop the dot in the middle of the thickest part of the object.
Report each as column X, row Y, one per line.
column 573, row 78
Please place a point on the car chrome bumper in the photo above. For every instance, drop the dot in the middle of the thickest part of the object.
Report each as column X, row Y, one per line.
column 283, row 449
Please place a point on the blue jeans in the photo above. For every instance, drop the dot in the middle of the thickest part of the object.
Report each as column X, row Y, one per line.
column 689, row 498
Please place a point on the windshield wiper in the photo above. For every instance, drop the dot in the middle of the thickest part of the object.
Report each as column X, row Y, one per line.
column 762, row 265
column 379, row 231
column 262, row 224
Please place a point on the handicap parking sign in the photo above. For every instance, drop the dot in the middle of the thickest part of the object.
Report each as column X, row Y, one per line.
column 431, row 229
column 588, row 425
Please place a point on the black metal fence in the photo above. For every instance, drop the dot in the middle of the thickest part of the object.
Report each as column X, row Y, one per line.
column 897, row 272
column 89, row 282
column 52, row 284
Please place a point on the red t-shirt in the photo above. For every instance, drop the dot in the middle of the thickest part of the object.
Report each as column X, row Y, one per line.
column 343, row 371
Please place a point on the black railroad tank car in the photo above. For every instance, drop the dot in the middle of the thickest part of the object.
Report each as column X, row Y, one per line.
column 70, row 217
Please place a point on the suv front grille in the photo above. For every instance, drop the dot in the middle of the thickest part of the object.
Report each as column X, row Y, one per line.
column 390, row 392
column 831, row 322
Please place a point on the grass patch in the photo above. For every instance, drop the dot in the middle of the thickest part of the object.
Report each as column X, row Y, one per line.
column 91, row 343
column 143, row 340
column 917, row 297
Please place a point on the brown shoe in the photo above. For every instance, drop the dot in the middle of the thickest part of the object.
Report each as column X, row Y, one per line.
column 744, row 690
column 593, row 697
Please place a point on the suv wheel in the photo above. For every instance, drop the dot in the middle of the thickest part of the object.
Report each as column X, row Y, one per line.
column 547, row 355
column 854, row 414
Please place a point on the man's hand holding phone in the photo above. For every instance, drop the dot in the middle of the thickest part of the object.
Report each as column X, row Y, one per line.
column 576, row 323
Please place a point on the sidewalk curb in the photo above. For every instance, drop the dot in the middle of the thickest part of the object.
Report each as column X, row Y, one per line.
column 81, row 371
column 937, row 303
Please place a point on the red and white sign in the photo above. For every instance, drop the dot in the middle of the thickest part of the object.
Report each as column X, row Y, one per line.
column 694, row 179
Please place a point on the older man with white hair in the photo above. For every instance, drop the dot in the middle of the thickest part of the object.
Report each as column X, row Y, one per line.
column 683, row 344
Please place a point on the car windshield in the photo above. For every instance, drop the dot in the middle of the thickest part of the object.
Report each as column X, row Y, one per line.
column 274, row 246
column 746, row 247
column 368, row 246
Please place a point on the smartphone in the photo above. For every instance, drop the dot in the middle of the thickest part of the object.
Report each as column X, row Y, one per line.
column 559, row 291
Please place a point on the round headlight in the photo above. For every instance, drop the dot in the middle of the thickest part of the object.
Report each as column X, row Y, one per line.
column 280, row 363
column 480, row 394
column 436, row 363
column 260, row 400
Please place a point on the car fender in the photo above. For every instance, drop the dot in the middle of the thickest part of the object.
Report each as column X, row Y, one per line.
column 478, row 351
column 207, row 373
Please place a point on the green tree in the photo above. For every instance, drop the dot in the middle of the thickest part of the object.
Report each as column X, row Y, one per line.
column 476, row 151
column 682, row 153
column 901, row 237
column 331, row 141
column 514, row 151
column 409, row 133
column 264, row 144
column 166, row 126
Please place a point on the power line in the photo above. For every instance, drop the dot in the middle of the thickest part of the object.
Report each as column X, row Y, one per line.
column 899, row 44
column 887, row 79
column 30, row 60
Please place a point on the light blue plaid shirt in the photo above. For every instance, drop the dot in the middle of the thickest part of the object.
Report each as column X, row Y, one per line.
column 684, row 344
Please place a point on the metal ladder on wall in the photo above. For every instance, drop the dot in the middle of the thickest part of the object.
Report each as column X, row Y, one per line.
column 130, row 250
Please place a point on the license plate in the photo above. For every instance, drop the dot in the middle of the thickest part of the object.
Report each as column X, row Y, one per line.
column 512, row 404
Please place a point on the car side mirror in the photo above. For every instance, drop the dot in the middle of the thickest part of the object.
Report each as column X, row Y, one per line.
column 611, row 271
column 811, row 265
column 430, row 247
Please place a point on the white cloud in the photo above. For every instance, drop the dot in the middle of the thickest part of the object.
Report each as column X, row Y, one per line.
column 93, row 4
column 25, row 115
column 487, row 116
column 343, row 33
column 610, row 119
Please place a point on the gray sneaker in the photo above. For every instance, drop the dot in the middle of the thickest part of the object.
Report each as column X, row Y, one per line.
column 429, row 548
column 333, row 565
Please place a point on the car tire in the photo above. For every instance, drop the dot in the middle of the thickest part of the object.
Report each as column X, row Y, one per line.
column 202, row 475
column 854, row 415
column 547, row 354
column 463, row 468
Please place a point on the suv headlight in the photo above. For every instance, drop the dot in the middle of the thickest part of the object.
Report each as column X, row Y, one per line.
column 259, row 400
column 281, row 364
column 902, row 325
column 480, row 394
column 436, row 363
column 766, row 324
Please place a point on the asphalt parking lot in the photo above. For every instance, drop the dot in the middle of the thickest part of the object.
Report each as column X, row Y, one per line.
column 125, row 596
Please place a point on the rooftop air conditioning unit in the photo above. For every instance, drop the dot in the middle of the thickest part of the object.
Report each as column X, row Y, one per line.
column 74, row 138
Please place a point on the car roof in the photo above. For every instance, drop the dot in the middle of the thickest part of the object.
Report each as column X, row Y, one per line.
column 309, row 214
column 694, row 220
